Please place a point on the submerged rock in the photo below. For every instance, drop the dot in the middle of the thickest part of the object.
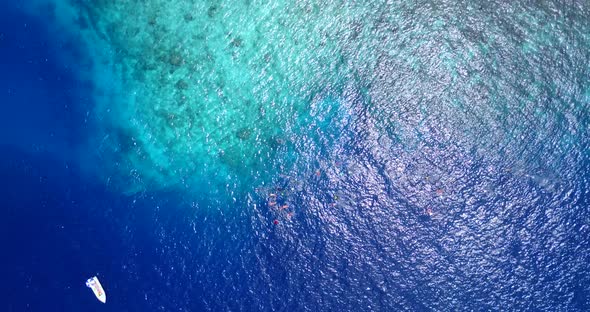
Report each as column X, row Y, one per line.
column 188, row 17
column 212, row 11
column 276, row 142
column 244, row 133
column 237, row 42
column 181, row 85
column 152, row 20
column 175, row 59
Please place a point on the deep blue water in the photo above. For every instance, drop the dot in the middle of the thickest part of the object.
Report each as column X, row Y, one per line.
column 156, row 252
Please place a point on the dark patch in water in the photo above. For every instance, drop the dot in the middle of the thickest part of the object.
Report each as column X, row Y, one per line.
column 244, row 133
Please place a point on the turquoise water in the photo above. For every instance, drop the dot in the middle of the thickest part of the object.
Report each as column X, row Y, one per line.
column 217, row 93
column 353, row 155
column 193, row 94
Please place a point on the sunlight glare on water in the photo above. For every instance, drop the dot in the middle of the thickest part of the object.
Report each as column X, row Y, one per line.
column 360, row 155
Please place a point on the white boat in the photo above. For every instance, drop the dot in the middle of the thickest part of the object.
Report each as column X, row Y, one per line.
column 97, row 289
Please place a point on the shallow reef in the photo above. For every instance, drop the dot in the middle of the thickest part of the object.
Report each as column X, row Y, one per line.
column 233, row 94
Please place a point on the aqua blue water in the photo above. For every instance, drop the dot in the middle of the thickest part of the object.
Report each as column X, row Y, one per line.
column 295, row 156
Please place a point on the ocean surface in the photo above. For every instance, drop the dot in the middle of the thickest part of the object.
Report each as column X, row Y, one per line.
column 304, row 155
